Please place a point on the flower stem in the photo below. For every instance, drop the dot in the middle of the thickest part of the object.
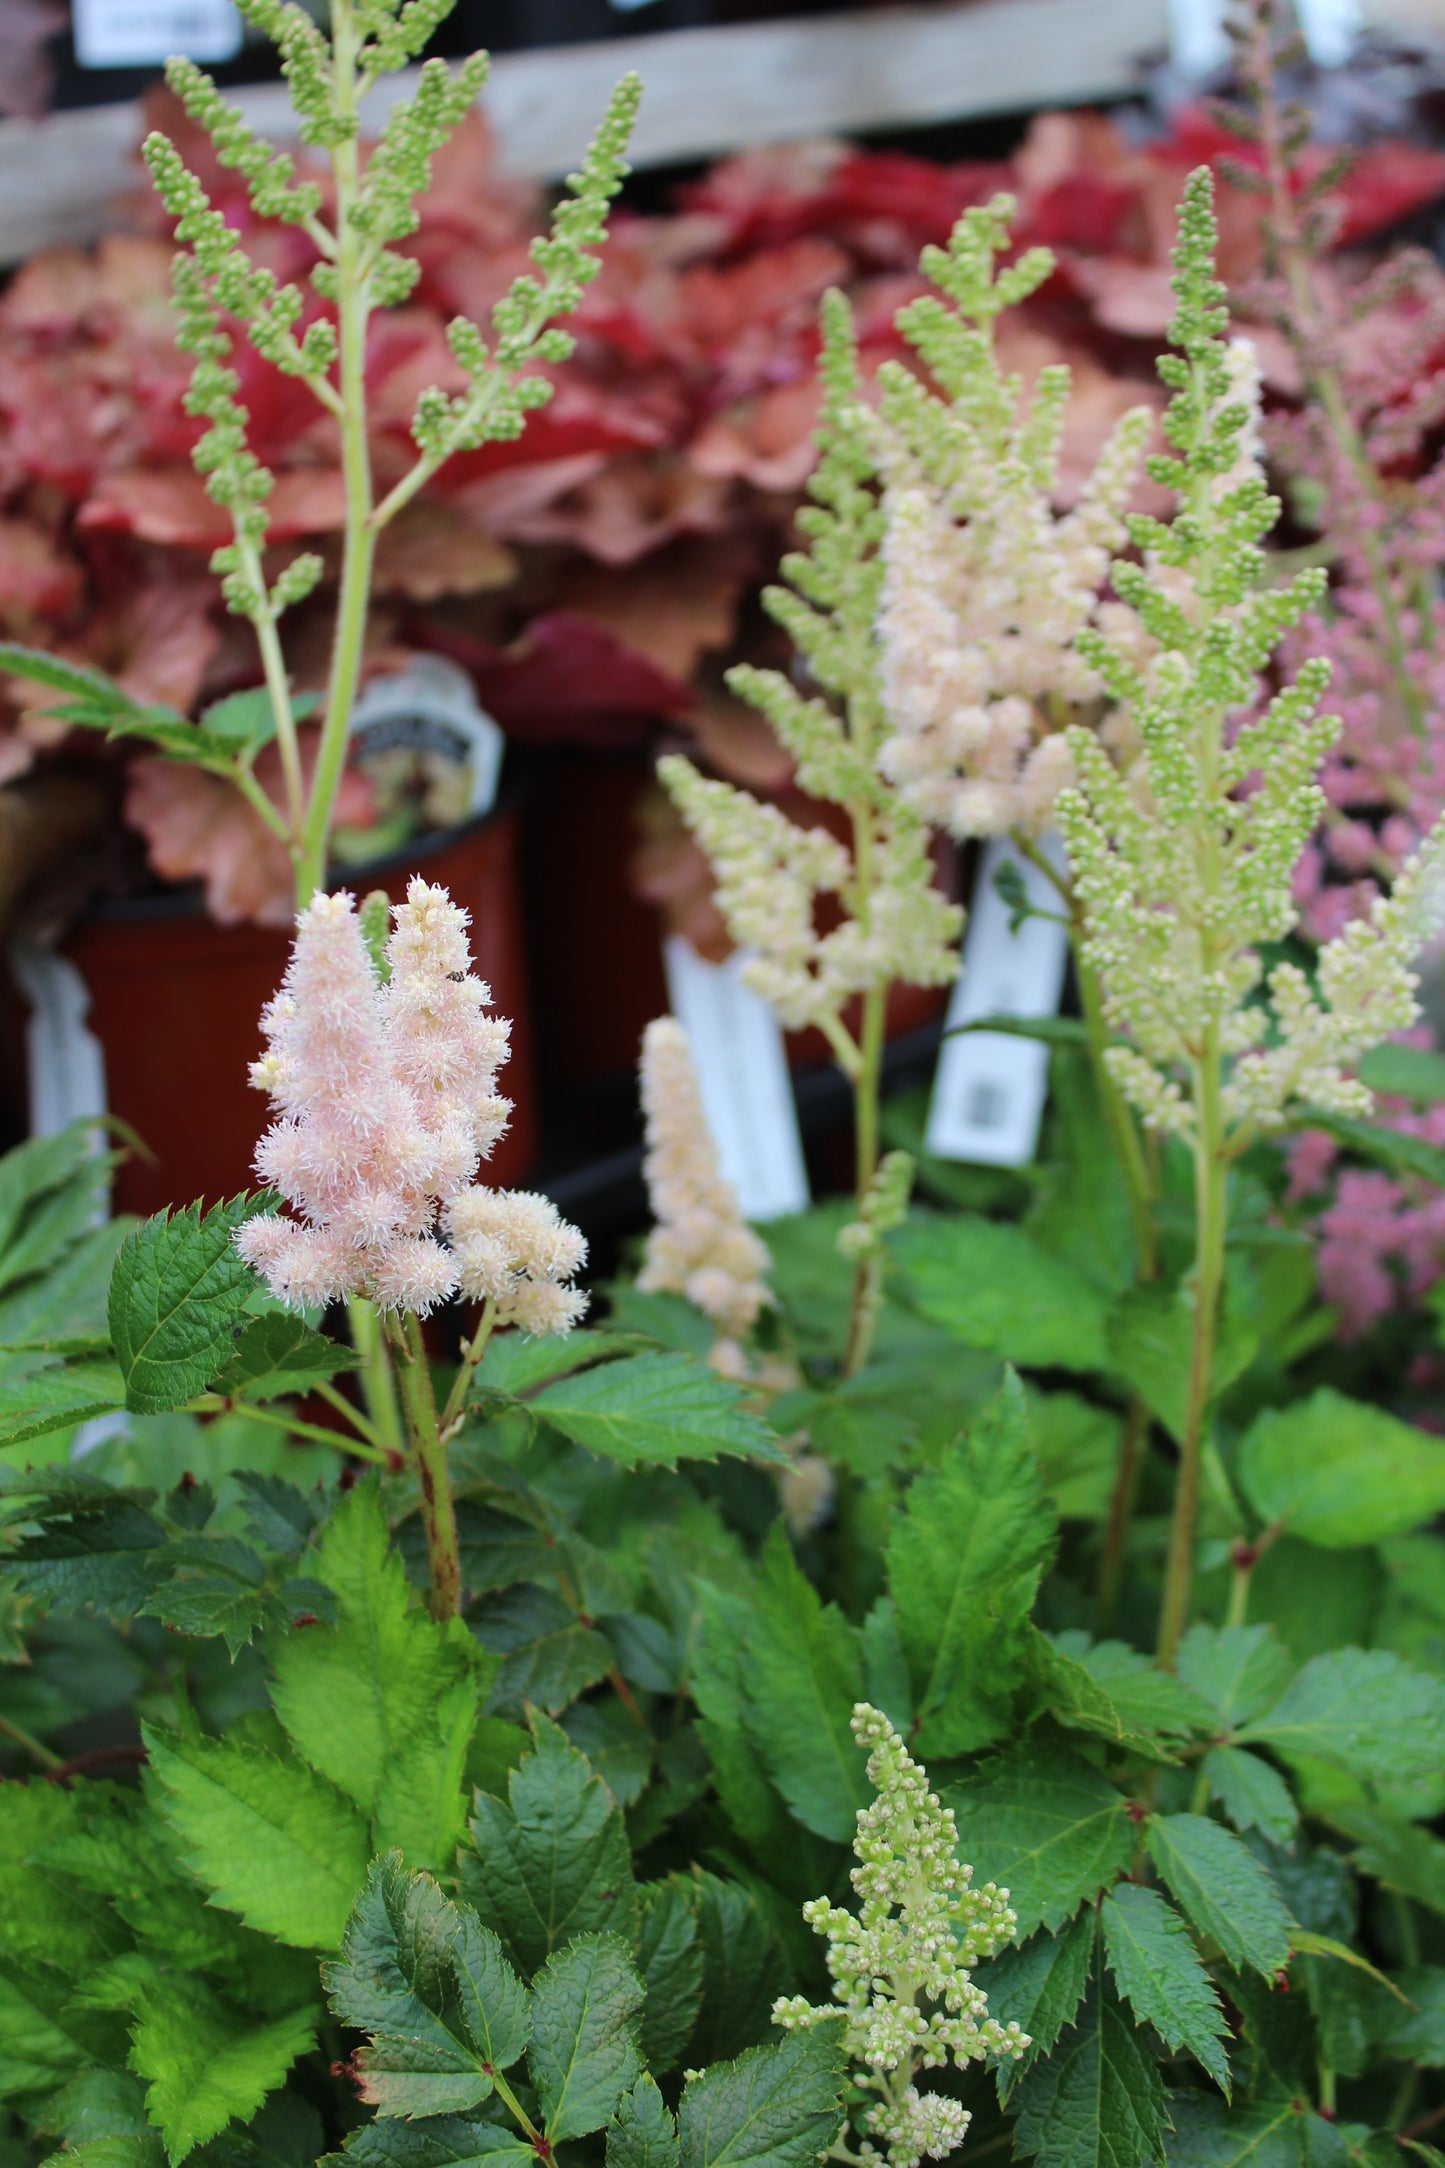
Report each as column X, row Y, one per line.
column 1209, row 1192
column 472, row 1352
column 39, row 1753
column 378, row 1385
column 358, row 540
column 430, row 1454
column 868, row 1271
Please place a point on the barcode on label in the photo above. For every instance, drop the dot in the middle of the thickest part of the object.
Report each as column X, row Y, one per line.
column 988, row 1092
column 987, row 1105
column 139, row 33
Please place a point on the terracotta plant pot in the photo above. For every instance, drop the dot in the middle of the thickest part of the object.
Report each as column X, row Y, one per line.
column 175, row 1001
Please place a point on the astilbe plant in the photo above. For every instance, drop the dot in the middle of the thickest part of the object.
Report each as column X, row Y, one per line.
column 900, row 1965
column 771, row 873
column 1184, row 866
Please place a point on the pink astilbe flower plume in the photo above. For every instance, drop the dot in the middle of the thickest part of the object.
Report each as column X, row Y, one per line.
column 386, row 1103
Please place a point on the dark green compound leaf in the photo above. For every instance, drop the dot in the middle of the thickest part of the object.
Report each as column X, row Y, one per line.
column 515, row 1365
column 278, row 1517
column 1238, row 1670
column 1097, row 2101
column 178, row 1287
column 272, row 1840
column 586, row 2004
column 1365, row 1710
column 278, row 1354
column 1268, row 2133
column 1399, row 1854
column 552, row 1862
column 743, row 1968
column 1038, row 1986
column 802, row 1674
column 84, row 1542
column 1222, row 1889
column 548, row 1655
column 1146, row 1699
column 965, row 1557
column 670, row 1960
column 1157, row 1971
column 775, row 2107
column 436, row 2141
column 655, row 1410
column 433, row 1989
column 1411, row 2029
column 1252, row 1792
column 643, row 2132
column 214, row 1586
column 1063, row 1688
column 1047, row 1827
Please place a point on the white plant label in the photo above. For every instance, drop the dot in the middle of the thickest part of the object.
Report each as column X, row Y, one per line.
column 65, row 1061
column 431, row 707
column 742, row 1067
column 142, row 33
column 989, row 1086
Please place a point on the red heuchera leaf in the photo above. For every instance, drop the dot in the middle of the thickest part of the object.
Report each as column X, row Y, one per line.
column 629, row 508
column 767, row 440
column 431, row 550
column 199, row 827
column 568, row 678
column 673, row 608
column 169, row 505
column 27, row 74
column 39, row 579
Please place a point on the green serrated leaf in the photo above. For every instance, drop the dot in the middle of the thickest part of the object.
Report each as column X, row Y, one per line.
column 742, row 1967
column 1265, row 2134
column 1065, row 1689
column 653, row 1411
column 1097, row 2101
column 965, row 1557
column 1047, row 1827
column 272, row 1840
column 643, row 2133
column 548, row 1655
column 39, row 1395
column 1365, row 1710
column 1222, row 1889
column 1149, row 1333
column 432, row 1988
column 1239, row 1670
column 178, row 1287
column 1158, row 1973
column 1339, row 1473
column 553, row 1862
column 1038, row 1985
column 802, row 1675
column 204, row 2065
column 775, row 2107
column 670, row 1960
column 515, row 1365
column 1252, row 1793
column 586, row 2003
column 992, row 1286
column 277, row 1354
column 383, row 1703
column 436, row 2141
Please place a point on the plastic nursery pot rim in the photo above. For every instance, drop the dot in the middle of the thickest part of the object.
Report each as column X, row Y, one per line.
column 188, row 899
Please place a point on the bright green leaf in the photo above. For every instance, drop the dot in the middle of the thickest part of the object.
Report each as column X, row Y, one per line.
column 1252, row 1792
column 205, row 2066
column 965, row 1556
column 775, row 2107
column 1365, row 1710
column 1239, row 1670
column 1038, row 1985
column 802, row 1674
column 655, row 1410
column 273, row 1841
column 1097, row 2101
column 991, row 1285
column 1339, row 1473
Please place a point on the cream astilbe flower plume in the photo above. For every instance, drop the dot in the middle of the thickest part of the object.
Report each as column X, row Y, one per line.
column 700, row 1245
column 386, row 1101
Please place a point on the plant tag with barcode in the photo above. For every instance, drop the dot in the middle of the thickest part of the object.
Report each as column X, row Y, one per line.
column 143, row 33
column 426, row 718
column 742, row 1067
column 989, row 1087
